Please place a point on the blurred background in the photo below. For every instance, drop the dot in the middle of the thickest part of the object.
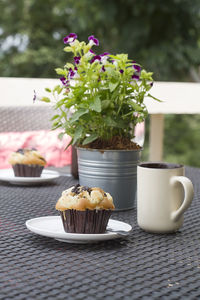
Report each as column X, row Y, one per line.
column 163, row 36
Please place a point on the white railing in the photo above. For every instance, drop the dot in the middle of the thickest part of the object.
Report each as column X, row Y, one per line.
column 178, row 98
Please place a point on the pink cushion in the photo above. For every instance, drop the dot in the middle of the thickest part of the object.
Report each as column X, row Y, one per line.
column 46, row 142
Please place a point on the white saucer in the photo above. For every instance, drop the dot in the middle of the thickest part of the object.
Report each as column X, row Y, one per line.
column 52, row 227
column 46, row 176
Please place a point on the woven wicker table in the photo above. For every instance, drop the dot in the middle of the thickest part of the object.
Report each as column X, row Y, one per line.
column 142, row 266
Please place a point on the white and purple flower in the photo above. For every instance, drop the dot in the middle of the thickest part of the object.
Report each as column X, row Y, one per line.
column 115, row 63
column 64, row 81
column 71, row 73
column 135, row 77
column 34, row 97
column 70, row 38
column 89, row 54
column 77, row 59
column 95, row 58
column 104, row 57
column 136, row 67
column 151, row 84
column 93, row 41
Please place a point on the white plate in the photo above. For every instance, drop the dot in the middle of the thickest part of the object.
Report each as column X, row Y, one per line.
column 46, row 176
column 52, row 227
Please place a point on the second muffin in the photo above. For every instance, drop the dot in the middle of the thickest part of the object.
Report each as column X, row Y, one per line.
column 27, row 163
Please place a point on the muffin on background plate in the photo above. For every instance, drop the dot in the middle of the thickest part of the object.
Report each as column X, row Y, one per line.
column 84, row 209
column 27, row 162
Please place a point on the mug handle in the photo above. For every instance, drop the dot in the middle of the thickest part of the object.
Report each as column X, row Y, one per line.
column 189, row 193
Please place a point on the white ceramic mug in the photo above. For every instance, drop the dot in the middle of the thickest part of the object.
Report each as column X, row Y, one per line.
column 163, row 195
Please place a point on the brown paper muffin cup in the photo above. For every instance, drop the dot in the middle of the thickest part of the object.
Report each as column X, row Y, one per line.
column 88, row 221
column 21, row 170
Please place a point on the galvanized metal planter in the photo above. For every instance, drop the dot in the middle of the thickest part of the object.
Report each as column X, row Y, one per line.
column 115, row 171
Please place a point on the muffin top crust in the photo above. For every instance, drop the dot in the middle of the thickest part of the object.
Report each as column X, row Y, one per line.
column 27, row 157
column 82, row 198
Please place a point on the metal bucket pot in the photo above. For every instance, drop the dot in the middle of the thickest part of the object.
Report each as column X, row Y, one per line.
column 115, row 171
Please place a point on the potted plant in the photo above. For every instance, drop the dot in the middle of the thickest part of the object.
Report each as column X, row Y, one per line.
column 99, row 102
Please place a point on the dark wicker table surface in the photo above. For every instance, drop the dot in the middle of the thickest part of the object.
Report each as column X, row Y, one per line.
column 142, row 266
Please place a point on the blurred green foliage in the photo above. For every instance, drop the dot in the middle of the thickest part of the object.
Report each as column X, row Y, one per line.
column 181, row 139
column 163, row 36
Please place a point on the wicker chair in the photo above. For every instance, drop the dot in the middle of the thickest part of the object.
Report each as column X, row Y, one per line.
column 29, row 118
column 25, row 118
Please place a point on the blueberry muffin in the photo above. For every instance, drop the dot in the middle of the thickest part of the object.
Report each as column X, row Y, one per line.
column 27, row 163
column 84, row 209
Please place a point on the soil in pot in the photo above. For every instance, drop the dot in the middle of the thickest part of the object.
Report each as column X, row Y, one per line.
column 115, row 143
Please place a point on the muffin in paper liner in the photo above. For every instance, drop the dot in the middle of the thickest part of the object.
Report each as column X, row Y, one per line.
column 84, row 209
column 21, row 170
column 27, row 162
column 89, row 221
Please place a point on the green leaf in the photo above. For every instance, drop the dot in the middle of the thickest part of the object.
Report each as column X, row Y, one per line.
column 45, row 99
column 112, row 73
column 112, row 86
column 69, row 65
column 69, row 102
column 61, row 134
column 77, row 134
column 60, row 103
column 90, row 138
column 105, row 104
column 78, row 114
column 48, row 90
column 57, row 89
column 55, row 117
column 146, row 75
column 69, row 144
column 60, row 71
column 96, row 105
column 149, row 95
column 56, row 125
column 110, row 122
column 121, row 124
column 136, row 106
column 68, row 49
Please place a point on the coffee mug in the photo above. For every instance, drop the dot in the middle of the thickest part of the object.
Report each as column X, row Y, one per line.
column 163, row 195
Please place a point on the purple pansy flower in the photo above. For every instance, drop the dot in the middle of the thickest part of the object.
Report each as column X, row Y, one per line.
column 70, row 38
column 103, row 69
column 104, row 57
column 89, row 54
column 121, row 71
column 105, row 54
column 64, row 80
column 35, row 96
column 137, row 68
column 77, row 59
column 71, row 73
column 93, row 41
column 135, row 77
column 96, row 57
column 115, row 63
